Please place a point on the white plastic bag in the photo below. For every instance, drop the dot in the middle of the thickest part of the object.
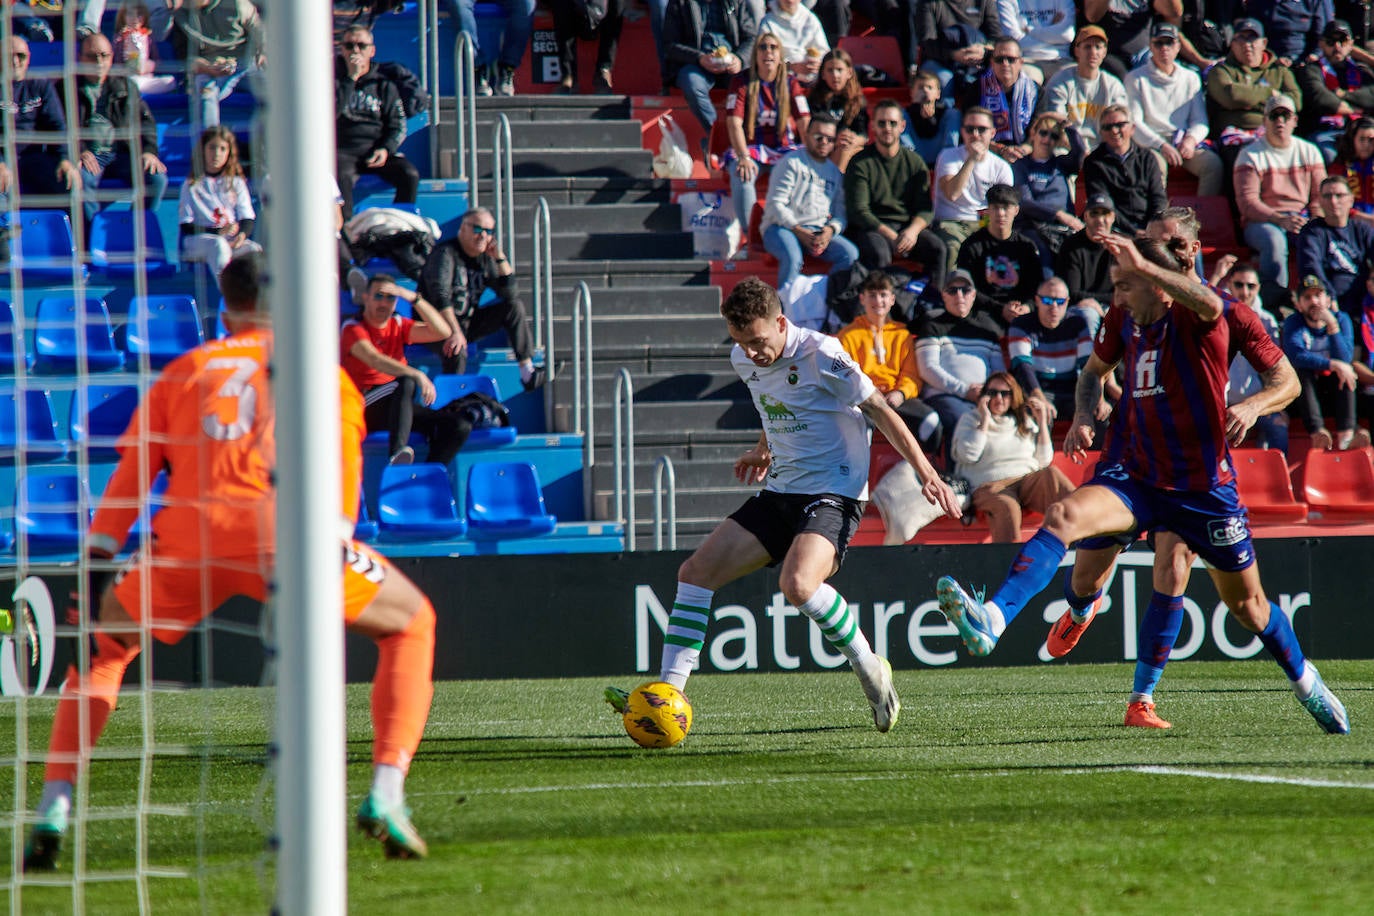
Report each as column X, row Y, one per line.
column 903, row 507
column 673, row 160
column 803, row 301
column 710, row 217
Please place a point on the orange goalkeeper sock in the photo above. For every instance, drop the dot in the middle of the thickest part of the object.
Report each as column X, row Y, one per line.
column 402, row 690
column 99, row 689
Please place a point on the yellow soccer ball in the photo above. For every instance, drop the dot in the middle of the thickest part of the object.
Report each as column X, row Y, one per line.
column 657, row 715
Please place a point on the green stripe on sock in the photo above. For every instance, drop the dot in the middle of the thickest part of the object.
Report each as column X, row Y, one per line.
column 838, row 625
column 683, row 641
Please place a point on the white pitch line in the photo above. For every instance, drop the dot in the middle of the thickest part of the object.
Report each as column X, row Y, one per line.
column 1252, row 777
column 692, row 783
column 892, row 777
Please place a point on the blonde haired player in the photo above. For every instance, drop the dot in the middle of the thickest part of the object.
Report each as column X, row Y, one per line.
column 211, row 426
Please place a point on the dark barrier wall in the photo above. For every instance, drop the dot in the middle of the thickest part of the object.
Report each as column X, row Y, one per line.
column 604, row 615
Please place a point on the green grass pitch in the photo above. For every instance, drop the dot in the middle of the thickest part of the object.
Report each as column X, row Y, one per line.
column 1010, row 790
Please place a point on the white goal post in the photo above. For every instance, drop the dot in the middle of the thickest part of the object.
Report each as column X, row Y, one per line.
column 311, row 825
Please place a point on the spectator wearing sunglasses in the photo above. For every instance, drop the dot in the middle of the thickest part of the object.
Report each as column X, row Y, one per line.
column 472, row 284
column 1337, row 90
column 40, row 167
column 1004, row 89
column 957, row 349
column 1048, row 347
column 1043, row 179
column 888, row 201
column 1242, row 281
column 1170, row 112
column 1002, row 449
column 963, row 175
column 369, row 122
column 1124, row 171
column 1278, row 187
column 1239, row 87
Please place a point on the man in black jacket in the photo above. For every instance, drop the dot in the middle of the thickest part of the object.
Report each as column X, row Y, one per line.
column 704, row 43
column 107, row 107
column 370, row 122
column 1125, row 172
column 458, row 274
column 1083, row 262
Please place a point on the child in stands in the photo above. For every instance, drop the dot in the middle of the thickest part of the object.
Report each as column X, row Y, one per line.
column 135, row 49
column 215, row 211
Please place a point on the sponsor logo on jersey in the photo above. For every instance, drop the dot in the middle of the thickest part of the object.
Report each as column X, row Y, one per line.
column 841, row 365
column 775, row 410
column 1227, row 532
column 753, row 377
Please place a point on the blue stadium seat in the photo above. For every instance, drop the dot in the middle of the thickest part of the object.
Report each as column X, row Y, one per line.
column 12, row 351
column 47, row 512
column 452, row 387
column 112, row 244
column 366, row 528
column 44, row 248
column 55, row 336
column 47, row 54
column 415, row 502
column 504, row 501
column 164, row 327
column 108, row 410
column 37, row 438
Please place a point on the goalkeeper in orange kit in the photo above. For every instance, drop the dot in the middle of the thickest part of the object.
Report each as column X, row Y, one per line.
column 210, row 424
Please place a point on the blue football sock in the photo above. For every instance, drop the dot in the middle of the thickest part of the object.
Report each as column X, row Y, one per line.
column 1155, row 640
column 1030, row 572
column 1076, row 601
column 1278, row 637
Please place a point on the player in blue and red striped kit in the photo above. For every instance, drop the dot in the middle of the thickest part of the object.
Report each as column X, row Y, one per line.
column 1094, row 558
column 1170, row 466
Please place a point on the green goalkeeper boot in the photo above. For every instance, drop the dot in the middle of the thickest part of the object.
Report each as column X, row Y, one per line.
column 393, row 827
column 45, row 842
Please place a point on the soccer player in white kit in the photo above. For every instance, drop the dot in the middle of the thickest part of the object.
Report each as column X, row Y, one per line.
column 812, row 459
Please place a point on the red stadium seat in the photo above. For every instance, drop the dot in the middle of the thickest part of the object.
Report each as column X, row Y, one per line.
column 1265, row 487
column 1218, row 228
column 880, row 51
column 1339, row 486
column 1077, row 473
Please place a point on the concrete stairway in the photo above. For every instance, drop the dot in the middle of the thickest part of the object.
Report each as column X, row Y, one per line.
column 615, row 228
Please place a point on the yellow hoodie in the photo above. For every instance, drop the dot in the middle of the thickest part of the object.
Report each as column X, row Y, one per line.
column 895, row 367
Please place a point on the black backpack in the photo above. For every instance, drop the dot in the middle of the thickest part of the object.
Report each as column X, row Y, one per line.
column 414, row 98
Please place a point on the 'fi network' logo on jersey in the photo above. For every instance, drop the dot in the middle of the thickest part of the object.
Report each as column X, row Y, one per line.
column 775, row 410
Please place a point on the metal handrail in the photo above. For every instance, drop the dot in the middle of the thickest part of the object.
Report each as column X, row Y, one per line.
column 429, row 64
column 664, row 467
column 465, row 106
column 426, row 11
column 541, row 261
column 582, row 325
column 503, row 184
column 625, row 452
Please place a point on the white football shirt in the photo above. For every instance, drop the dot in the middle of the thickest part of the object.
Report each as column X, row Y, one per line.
column 808, row 401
